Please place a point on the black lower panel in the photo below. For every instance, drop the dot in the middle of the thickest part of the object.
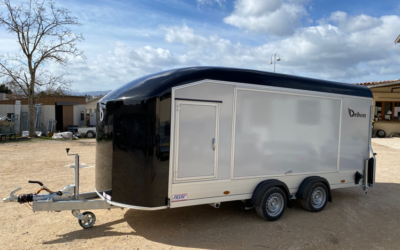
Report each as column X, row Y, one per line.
column 140, row 162
column 136, row 182
column 103, row 171
column 104, row 147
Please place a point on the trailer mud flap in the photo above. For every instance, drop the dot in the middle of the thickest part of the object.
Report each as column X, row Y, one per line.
column 357, row 178
column 371, row 172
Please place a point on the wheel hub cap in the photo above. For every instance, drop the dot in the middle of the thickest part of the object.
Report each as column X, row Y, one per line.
column 275, row 204
column 318, row 197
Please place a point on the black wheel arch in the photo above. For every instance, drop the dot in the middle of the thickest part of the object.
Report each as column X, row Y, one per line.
column 264, row 186
column 306, row 184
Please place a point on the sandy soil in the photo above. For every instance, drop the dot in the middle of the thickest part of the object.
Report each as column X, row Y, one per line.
column 352, row 221
column 388, row 142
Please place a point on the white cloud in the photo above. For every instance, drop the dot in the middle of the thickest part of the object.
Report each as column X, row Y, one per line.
column 389, row 70
column 183, row 35
column 324, row 51
column 276, row 17
column 356, row 23
column 343, row 53
column 210, row 2
column 121, row 65
column 340, row 47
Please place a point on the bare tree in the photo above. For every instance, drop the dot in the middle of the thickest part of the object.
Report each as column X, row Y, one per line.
column 44, row 36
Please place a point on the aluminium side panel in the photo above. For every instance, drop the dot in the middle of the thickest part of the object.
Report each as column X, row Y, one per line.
column 279, row 132
column 355, row 134
column 305, row 127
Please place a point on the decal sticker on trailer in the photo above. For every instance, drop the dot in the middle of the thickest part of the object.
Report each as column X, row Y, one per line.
column 179, row 197
column 354, row 114
column 106, row 196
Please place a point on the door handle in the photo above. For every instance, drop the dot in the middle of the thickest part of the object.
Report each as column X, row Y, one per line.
column 214, row 143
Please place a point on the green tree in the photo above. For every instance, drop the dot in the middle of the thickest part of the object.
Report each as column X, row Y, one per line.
column 5, row 89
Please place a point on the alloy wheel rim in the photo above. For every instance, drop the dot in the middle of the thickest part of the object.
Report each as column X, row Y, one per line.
column 318, row 197
column 275, row 204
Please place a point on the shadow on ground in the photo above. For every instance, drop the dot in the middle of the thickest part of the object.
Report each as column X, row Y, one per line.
column 346, row 220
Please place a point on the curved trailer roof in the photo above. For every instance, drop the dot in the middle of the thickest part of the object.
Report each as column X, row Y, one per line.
column 158, row 83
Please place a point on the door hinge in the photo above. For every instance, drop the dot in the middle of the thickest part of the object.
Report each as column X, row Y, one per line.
column 177, row 108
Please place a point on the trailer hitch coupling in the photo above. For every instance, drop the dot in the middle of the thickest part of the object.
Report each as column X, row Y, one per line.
column 67, row 198
column 12, row 197
column 26, row 198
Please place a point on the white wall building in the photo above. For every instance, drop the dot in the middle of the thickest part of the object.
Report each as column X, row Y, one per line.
column 66, row 110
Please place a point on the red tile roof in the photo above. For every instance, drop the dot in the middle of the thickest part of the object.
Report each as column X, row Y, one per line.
column 14, row 97
column 388, row 82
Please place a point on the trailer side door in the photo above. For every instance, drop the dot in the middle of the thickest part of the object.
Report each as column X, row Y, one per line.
column 196, row 136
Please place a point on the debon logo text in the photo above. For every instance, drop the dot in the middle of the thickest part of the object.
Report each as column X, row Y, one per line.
column 354, row 114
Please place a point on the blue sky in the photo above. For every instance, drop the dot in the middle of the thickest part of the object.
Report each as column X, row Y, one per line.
column 348, row 41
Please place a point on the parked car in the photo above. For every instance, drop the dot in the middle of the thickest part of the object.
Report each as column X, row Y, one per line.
column 89, row 132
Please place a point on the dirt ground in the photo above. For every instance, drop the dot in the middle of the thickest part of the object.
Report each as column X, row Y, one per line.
column 353, row 220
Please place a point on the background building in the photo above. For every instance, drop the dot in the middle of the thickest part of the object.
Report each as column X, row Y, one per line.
column 386, row 105
column 66, row 110
column 91, row 106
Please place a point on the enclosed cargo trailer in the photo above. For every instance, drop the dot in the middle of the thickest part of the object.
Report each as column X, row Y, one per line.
column 228, row 131
column 206, row 135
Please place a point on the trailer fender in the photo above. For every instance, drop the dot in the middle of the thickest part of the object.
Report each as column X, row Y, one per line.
column 306, row 184
column 264, row 186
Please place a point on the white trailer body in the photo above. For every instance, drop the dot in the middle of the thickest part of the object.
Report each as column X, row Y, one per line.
column 262, row 133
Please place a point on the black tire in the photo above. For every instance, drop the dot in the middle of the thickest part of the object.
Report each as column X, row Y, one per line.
column 317, row 197
column 88, row 224
column 90, row 134
column 273, row 204
column 380, row 133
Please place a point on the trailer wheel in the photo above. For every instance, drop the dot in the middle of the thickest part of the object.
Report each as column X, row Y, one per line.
column 90, row 134
column 381, row 133
column 316, row 198
column 90, row 222
column 273, row 204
